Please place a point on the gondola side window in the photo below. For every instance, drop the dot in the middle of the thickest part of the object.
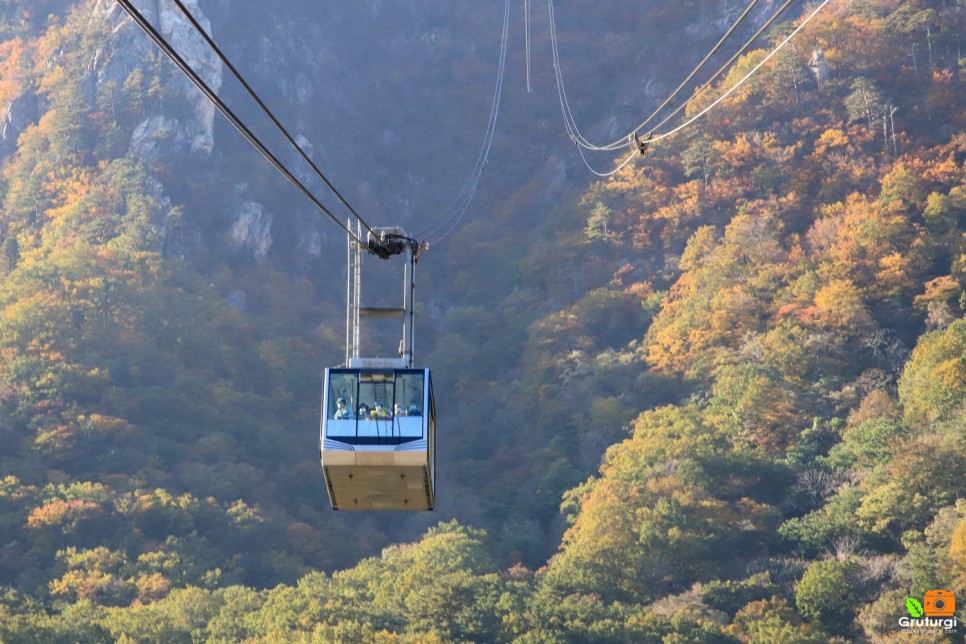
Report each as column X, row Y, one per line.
column 342, row 401
column 408, row 395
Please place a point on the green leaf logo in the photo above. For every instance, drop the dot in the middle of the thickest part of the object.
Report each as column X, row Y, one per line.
column 914, row 607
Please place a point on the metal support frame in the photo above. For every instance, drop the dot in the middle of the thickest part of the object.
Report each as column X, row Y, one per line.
column 354, row 309
column 409, row 319
column 353, row 295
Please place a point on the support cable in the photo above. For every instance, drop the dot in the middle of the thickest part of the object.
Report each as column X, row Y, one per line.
column 526, row 27
column 212, row 96
column 582, row 141
column 268, row 112
column 721, row 70
column 751, row 73
column 716, row 102
column 697, row 68
column 569, row 121
column 444, row 224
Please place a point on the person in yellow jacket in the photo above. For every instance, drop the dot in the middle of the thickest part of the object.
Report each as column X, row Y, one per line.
column 378, row 413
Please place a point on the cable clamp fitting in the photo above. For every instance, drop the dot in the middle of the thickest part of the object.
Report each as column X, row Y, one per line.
column 636, row 143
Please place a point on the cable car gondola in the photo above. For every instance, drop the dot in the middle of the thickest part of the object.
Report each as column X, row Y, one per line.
column 378, row 426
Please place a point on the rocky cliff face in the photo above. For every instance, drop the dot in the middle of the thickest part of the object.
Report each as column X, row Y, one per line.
column 188, row 132
column 21, row 112
column 129, row 48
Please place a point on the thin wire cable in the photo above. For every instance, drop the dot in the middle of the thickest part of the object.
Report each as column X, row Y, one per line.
column 704, row 60
column 727, row 64
column 526, row 13
column 452, row 221
column 751, row 73
column 582, row 141
column 717, row 101
column 205, row 89
column 449, row 219
column 569, row 121
column 574, row 130
column 491, row 127
column 268, row 112
column 603, row 174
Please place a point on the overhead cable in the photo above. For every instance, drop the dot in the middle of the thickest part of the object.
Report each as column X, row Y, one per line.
column 703, row 112
column 572, row 128
column 526, row 37
column 212, row 96
column 619, row 143
column 268, row 112
column 698, row 67
column 449, row 219
column 745, row 78
column 721, row 70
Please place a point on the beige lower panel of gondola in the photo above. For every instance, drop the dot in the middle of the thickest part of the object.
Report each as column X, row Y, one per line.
column 384, row 480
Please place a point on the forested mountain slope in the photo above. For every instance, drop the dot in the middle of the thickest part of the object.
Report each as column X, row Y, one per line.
column 740, row 362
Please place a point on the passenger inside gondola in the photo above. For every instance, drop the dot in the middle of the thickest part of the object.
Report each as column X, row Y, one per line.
column 342, row 410
column 343, row 393
column 378, row 413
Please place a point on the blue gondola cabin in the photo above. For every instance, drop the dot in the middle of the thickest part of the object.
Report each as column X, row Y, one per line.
column 378, row 437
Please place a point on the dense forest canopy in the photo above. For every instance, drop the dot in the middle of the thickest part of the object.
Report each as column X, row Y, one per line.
column 717, row 396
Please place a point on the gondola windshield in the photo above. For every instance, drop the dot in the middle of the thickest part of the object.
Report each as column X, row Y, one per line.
column 375, row 407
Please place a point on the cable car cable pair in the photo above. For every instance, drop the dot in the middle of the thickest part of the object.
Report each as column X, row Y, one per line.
column 741, row 51
column 214, row 46
column 571, row 124
column 440, row 228
column 582, row 143
column 447, row 221
column 226, row 111
column 617, row 144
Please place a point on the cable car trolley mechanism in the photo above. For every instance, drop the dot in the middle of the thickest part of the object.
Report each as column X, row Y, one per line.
column 378, row 426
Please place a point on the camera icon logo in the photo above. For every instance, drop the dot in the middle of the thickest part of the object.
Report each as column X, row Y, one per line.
column 939, row 603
